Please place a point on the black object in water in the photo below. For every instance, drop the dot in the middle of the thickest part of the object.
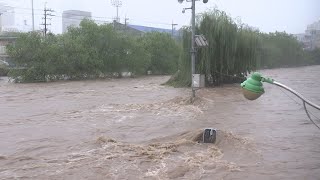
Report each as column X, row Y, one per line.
column 209, row 135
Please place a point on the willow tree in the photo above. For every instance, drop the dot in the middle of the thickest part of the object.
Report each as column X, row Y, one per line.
column 231, row 53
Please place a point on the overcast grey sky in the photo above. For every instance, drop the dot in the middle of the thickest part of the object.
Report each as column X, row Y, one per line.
column 291, row 16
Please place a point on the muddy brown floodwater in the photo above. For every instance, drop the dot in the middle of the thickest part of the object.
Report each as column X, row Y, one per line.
column 139, row 129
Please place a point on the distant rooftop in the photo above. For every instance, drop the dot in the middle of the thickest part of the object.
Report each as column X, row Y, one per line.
column 147, row 29
column 72, row 13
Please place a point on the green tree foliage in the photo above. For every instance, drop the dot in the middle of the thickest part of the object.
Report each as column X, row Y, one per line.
column 231, row 53
column 313, row 56
column 32, row 55
column 183, row 76
column 235, row 50
column 90, row 51
column 3, row 70
column 164, row 52
column 280, row 49
column 94, row 51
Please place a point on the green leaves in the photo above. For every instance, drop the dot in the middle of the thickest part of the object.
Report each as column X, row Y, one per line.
column 90, row 51
column 164, row 52
column 231, row 53
column 235, row 50
column 280, row 49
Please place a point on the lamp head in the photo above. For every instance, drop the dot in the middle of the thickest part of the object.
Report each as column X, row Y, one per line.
column 252, row 88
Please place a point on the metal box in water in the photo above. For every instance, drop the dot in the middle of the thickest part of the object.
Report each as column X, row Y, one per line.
column 198, row 80
column 209, row 135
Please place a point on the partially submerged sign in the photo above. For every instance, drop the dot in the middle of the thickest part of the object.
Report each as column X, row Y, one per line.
column 201, row 41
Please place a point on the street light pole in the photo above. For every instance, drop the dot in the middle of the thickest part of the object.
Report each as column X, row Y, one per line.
column 117, row 13
column 32, row 15
column 117, row 4
column 193, row 51
column 193, row 38
column 172, row 30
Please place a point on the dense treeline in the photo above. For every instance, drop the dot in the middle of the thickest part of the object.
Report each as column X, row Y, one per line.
column 280, row 50
column 236, row 49
column 97, row 51
column 91, row 51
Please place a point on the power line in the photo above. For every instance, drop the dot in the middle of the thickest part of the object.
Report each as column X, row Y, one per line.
column 56, row 12
column 71, row 18
column 306, row 110
column 74, row 18
column 116, row 2
column 90, row 16
column 102, row 17
column 154, row 22
column 94, row 18
column 26, row 8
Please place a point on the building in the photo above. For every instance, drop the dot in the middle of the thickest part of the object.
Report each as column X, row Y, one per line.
column 146, row 29
column 313, row 34
column 4, row 41
column 126, row 28
column 300, row 37
column 137, row 30
column 311, row 38
column 7, row 16
column 73, row 18
column 313, row 27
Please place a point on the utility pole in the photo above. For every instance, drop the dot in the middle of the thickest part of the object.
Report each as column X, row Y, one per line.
column 32, row 15
column 193, row 50
column 173, row 25
column 193, row 38
column 47, row 13
column 117, row 4
column 1, row 22
column 126, row 22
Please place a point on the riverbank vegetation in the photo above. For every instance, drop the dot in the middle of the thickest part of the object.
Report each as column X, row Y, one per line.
column 91, row 51
column 236, row 49
column 98, row 51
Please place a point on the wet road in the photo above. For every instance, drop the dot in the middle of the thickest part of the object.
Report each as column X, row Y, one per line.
column 139, row 129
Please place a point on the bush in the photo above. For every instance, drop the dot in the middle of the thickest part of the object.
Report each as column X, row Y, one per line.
column 90, row 51
column 164, row 52
column 4, row 70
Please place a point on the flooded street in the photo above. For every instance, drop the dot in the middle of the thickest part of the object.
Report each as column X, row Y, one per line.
column 139, row 129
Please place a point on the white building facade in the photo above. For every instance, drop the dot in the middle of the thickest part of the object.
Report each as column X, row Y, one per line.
column 73, row 18
column 7, row 17
column 311, row 38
